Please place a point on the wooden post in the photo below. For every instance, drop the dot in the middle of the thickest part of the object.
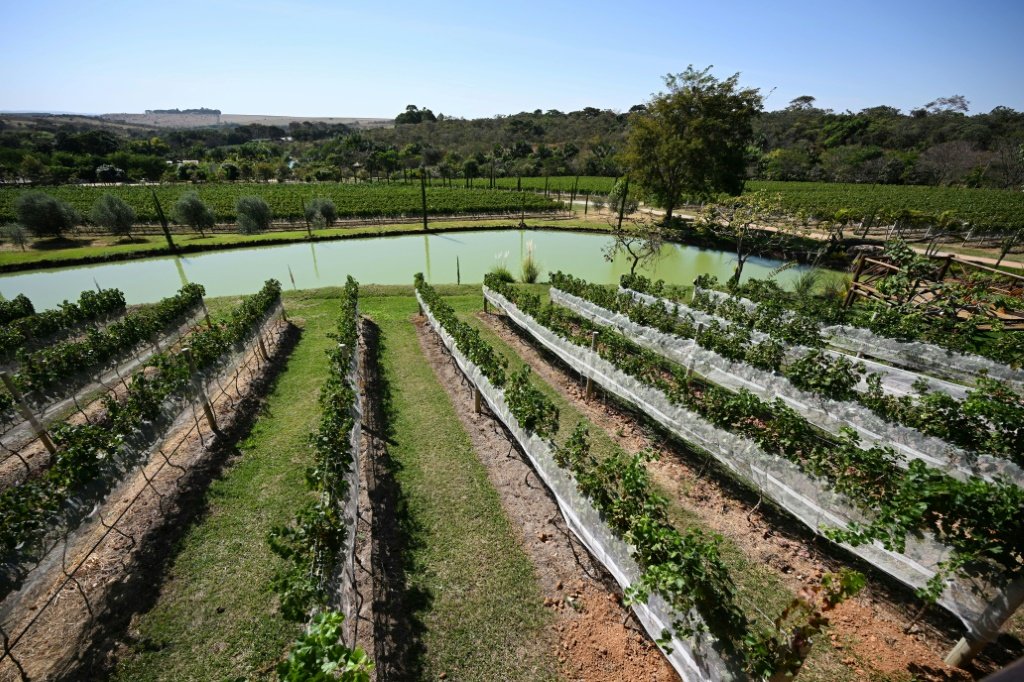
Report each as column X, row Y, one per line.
column 853, row 285
column 944, row 269
column 423, row 193
column 207, row 410
column 590, row 382
column 995, row 615
column 27, row 413
column 485, row 305
column 262, row 346
column 586, row 202
column 477, row 400
column 206, row 312
column 284, row 317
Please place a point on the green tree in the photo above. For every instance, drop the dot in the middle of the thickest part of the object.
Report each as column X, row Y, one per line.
column 754, row 223
column 44, row 215
column 190, row 210
column 321, row 211
column 114, row 214
column 15, row 234
column 253, row 215
column 692, row 139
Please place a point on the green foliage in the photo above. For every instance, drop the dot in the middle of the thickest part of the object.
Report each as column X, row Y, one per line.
column 986, row 537
column 532, row 409
column 44, row 215
column 19, row 306
column 321, row 211
column 502, row 273
column 15, row 234
column 368, row 200
column 190, row 210
column 834, row 377
column 87, row 451
column 693, row 139
column 66, row 365
column 320, row 656
column 313, row 542
column 467, row 339
column 32, row 328
column 114, row 214
column 253, row 215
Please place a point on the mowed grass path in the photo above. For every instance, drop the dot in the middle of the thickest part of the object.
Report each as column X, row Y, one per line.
column 471, row 586
column 216, row 616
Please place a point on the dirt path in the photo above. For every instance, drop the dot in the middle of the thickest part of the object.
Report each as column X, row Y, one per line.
column 597, row 640
column 117, row 569
column 869, row 630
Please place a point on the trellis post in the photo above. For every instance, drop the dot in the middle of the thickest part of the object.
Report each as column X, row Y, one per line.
column 27, row 413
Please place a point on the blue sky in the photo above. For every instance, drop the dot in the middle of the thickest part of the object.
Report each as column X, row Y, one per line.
column 318, row 58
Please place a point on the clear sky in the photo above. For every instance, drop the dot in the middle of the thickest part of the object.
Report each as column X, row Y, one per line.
column 487, row 57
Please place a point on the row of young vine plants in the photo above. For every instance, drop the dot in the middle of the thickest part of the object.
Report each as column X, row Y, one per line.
column 32, row 329
column 979, row 520
column 683, row 567
column 314, row 543
column 988, row 421
column 95, row 453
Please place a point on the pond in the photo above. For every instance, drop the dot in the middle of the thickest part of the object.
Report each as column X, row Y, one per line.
column 443, row 258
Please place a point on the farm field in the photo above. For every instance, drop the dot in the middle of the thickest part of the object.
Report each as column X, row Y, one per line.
column 983, row 208
column 458, row 542
column 366, row 200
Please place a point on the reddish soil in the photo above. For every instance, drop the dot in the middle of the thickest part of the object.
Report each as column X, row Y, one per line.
column 594, row 635
column 871, row 628
column 116, row 571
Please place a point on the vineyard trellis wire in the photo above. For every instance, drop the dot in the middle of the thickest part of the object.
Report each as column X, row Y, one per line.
column 67, row 564
column 979, row 604
column 693, row 659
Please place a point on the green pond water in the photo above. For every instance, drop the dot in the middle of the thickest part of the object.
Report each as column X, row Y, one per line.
column 378, row 260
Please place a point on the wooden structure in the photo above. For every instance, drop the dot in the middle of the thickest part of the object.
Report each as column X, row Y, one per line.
column 925, row 291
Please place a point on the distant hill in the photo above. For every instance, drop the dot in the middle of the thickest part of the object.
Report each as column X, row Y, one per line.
column 201, row 118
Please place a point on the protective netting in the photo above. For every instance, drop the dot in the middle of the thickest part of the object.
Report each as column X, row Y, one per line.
column 343, row 588
column 48, row 407
column 109, row 518
column 918, row 355
column 828, row 415
column 976, row 603
column 896, row 381
column 697, row 659
column 137, row 448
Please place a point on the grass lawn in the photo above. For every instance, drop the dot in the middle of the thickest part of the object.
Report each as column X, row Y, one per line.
column 470, row 584
column 216, row 616
column 469, row 581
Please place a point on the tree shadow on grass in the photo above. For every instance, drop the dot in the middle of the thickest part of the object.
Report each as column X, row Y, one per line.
column 397, row 628
column 57, row 243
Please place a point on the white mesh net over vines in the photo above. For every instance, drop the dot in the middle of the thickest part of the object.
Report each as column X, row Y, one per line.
column 925, row 357
column 896, row 381
column 807, row 498
column 696, row 659
column 827, row 414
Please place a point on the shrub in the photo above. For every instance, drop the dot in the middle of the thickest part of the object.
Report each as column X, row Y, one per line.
column 190, row 210
column 321, row 211
column 15, row 234
column 112, row 213
column 44, row 215
column 253, row 215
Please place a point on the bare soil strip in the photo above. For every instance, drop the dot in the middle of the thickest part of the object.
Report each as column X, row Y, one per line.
column 597, row 639
column 119, row 569
column 876, row 631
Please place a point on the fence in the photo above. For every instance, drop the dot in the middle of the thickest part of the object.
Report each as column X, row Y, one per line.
column 65, row 594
